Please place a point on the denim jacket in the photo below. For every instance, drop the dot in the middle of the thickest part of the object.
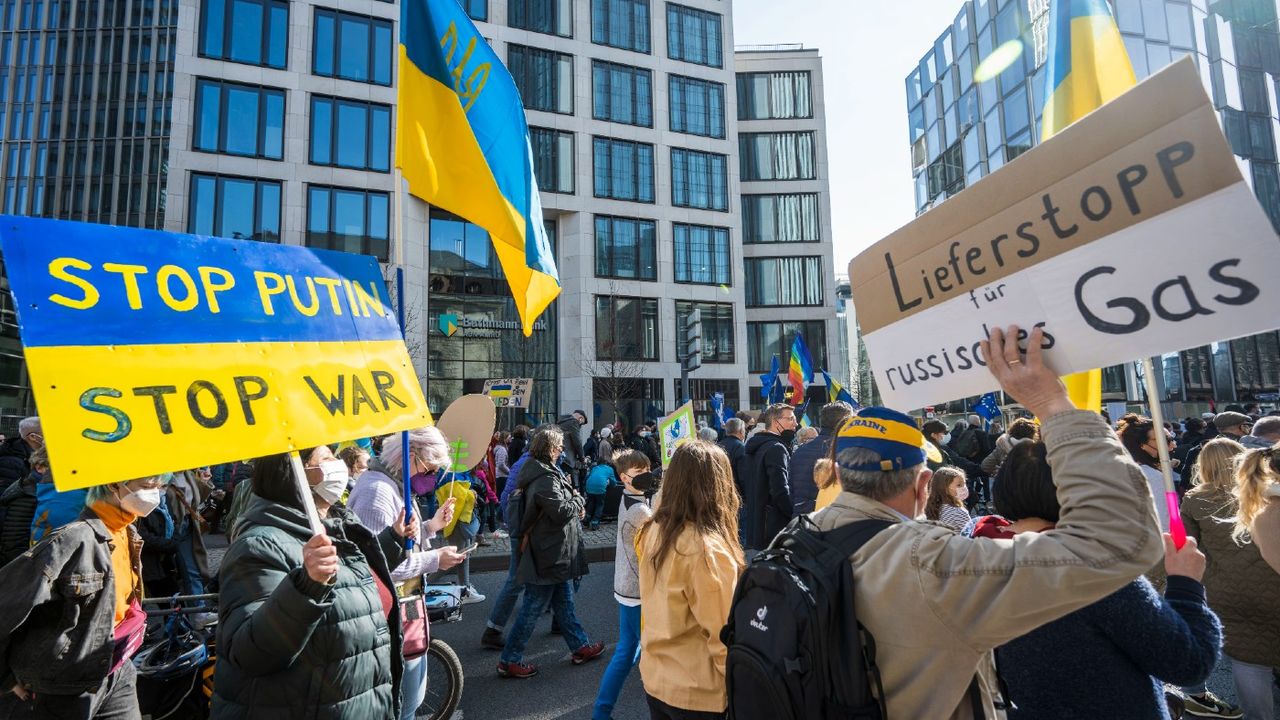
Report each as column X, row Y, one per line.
column 57, row 612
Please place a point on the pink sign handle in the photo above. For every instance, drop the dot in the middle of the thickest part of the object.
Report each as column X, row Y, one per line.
column 1176, row 528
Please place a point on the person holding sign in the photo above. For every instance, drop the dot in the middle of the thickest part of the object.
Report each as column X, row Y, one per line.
column 309, row 622
column 70, row 616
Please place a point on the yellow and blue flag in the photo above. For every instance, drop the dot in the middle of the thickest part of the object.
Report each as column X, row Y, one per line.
column 463, row 144
column 1087, row 67
column 837, row 393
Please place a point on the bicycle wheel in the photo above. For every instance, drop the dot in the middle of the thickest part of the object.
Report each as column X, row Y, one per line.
column 444, row 682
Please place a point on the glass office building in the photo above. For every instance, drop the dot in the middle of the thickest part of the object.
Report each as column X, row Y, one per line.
column 961, row 129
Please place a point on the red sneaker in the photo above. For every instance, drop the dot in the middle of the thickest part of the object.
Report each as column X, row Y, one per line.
column 516, row 670
column 587, row 653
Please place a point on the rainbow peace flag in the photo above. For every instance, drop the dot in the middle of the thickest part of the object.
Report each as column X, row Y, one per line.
column 800, row 372
column 463, row 144
column 1087, row 67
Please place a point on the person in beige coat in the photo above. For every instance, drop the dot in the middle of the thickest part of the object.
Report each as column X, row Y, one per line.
column 937, row 603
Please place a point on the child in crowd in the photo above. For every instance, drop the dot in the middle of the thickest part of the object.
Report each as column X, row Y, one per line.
column 948, row 489
column 599, row 480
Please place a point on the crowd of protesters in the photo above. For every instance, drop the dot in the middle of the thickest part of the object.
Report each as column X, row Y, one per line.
column 1020, row 573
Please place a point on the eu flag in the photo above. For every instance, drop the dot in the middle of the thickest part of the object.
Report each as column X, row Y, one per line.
column 463, row 144
column 988, row 408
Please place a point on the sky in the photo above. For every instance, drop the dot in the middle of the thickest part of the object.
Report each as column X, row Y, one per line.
column 867, row 49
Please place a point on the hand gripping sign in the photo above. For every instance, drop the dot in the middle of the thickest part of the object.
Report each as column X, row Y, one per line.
column 150, row 351
column 1129, row 234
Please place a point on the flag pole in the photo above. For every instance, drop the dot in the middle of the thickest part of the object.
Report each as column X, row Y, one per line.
column 1176, row 528
column 400, row 255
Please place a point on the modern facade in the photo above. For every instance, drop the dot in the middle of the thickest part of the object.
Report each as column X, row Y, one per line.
column 274, row 120
column 961, row 129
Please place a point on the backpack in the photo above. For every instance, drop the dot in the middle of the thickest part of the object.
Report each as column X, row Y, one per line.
column 796, row 651
column 968, row 445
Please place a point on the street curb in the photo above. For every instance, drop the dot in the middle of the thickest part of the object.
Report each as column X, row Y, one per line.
column 490, row 563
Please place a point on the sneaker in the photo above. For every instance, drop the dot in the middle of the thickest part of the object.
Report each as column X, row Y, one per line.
column 516, row 670
column 202, row 620
column 500, row 533
column 1209, row 705
column 586, row 653
column 492, row 639
column 470, row 595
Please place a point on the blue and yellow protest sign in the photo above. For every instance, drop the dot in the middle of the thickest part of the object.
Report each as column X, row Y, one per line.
column 151, row 351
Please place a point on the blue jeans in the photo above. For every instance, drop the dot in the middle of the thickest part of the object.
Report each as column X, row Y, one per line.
column 536, row 597
column 1253, row 687
column 192, row 580
column 505, row 603
column 461, row 538
column 595, row 508
column 413, row 686
column 625, row 655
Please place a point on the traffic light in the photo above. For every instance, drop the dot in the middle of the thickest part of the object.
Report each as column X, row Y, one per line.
column 693, row 341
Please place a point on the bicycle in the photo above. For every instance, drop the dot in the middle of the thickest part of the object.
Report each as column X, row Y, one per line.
column 175, row 663
column 445, row 677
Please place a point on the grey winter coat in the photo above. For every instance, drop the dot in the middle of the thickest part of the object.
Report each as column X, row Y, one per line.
column 289, row 647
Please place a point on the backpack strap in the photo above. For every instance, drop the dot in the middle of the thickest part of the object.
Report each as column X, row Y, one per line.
column 850, row 538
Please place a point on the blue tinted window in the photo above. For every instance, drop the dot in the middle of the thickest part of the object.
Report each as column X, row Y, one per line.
column 694, row 36
column 626, row 248
column 239, row 119
column 351, row 134
column 247, row 31
column 552, row 159
column 621, row 23
column 699, row 179
column 621, row 93
column 553, row 17
column 543, row 77
column 784, row 281
column 702, row 254
column 477, row 9
column 780, row 155
column 348, row 220
column 697, row 106
column 352, row 47
column 622, row 169
column 234, row 207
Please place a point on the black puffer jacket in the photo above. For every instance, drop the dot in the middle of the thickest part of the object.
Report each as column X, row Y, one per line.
column 552, row 524
column 290, row 647
column 17, row 510
column 14, row 465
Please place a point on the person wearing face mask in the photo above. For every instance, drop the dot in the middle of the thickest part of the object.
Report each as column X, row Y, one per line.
column 15, row 452
column 309, row 624
column 70, row 615
column 935, row 431
column 767, row 505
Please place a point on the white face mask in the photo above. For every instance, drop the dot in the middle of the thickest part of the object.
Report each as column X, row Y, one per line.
column 334, row 483
column 141, row 502
column 962, row 493
column 946, row 439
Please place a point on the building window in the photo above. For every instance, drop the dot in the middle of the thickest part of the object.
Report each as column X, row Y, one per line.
column 717, row 329
column 780, row 218
column 702, row 254
column 784, row 281
column 626, row 328
column 348, row 220
column 767, row 340
column 697, row 106
column 239, row 119
column 626, row 248
column 621, row 93
column 477, row 9
column 234, row 207
column 244, row 31
column 350, row 134
column 694, row 36
column 623, row 170
column 543, row 77
column 553, row 17
column 621, row 24
column 699, row 179
column 352, row 47
column 777, row 156
column 552, row 159
column 774, row 95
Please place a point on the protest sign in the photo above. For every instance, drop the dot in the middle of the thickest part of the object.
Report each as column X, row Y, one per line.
column 510, row 392
column 468, row 425
column 1129, row 234
column 151, row 351
column 675, row 429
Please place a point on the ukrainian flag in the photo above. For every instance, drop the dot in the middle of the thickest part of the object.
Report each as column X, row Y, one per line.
column 463, row 145
column 837, row 393
column 1087, row 67
column 800, row 372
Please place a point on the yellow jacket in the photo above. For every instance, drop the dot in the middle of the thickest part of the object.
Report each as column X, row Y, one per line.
column 684, row 604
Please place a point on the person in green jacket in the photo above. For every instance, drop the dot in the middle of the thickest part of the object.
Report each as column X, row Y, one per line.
column 309, row 625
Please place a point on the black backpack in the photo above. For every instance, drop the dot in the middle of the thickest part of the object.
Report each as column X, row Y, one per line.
column 796, row 651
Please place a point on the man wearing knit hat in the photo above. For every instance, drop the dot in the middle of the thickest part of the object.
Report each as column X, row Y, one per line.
column 938, row 603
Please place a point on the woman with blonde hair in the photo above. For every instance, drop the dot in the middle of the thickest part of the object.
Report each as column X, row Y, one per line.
column 1258, row 493
column 948, row 489
column 1242, row 589
column 690, row 561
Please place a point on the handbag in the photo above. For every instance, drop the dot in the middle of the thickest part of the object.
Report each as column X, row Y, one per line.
column 414, row 626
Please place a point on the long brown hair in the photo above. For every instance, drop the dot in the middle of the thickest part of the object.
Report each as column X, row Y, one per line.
column 697, row 490
column 940, row 491
column 1257, row 474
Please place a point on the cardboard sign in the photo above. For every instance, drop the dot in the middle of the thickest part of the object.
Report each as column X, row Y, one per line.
column 675, row 429
column 152, row 351
column 468, row 425
column 1129, row 234
column 510, row 392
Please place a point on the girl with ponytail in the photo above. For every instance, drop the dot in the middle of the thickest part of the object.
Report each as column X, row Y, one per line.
column 1258, row 493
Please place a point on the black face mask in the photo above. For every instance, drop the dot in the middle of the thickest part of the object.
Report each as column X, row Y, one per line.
column 647, row 483
column 788, row 436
